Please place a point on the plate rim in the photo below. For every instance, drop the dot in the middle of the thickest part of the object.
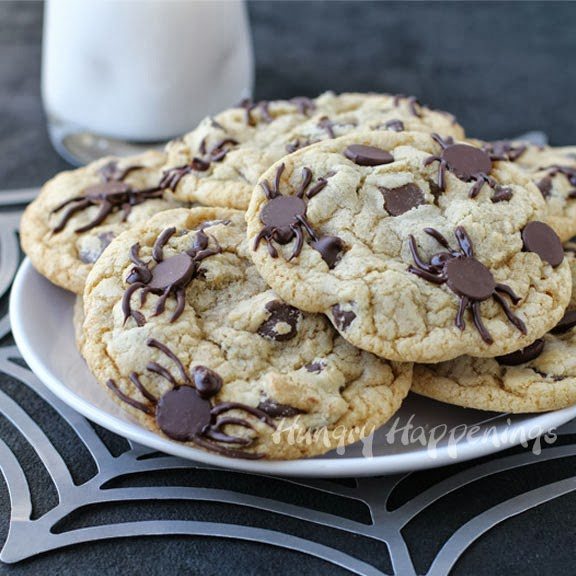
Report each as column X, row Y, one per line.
column 311, row 467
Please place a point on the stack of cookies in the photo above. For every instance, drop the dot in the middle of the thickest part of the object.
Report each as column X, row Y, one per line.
column 276, row 281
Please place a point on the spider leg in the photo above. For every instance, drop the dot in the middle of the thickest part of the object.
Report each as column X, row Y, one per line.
column 144, row 295
column 460, row 322
column 134, row 403
column 135, row 255
column 66, row 202
column 417, row 258
column 508, row 291
column 208, row 252
column 475, row 190
column 208, row 445
column 162, row 372
column 127, row 308
column 299, row 241
column 268, row 192
column 226, row 406
column 153, row 343
column 126, row 209
column 214, row 431
column 306, row 224
column 136, row 381
column 277, row 178
column 509, row 314
column 442, row 175
column 306, row 179
column 180, row 303
column 161, row 304
column 432, row 159
column 484, row 334
column 317, row 188
column 440, row 238
column 105, row 210
column 160, row 242
column 69, row 213
column 464, row 241
column 431, row 277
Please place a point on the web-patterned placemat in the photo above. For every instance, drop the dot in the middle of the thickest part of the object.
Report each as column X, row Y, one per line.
column 71, row 482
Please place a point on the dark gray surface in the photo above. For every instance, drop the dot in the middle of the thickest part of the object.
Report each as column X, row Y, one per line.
column 502, row 68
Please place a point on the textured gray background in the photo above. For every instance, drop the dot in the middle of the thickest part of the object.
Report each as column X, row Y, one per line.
column 502, row 68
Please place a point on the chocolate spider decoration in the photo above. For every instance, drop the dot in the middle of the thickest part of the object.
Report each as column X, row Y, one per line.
column 169, row 277
column 413, row 104
column 171, row 177
column 467, row 277
column 186, row 413
column 112, row 196
column 284, row 219
column 304, row 106
column 545, row 185
column 112, row 172
column 468, row 164
column 504, row 150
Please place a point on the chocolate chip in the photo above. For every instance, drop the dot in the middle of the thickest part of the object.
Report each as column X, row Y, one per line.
column 394, row 125
column 545, row 186
column 501, row 194
column 527, row 354
column 182, row 414
column 402, row 199
column 367, row 155
column 329, row 248
column 280, row 313
column 207, row 382
column 174, row 271
column 90, row 254
column 469, row 278
column 342, row 318
column 315, row 367
column 542, row 240
column 567, row 322
column 277, row 410
column 466, row 162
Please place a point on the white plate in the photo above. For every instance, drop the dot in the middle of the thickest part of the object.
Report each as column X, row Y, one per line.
column 41, row 316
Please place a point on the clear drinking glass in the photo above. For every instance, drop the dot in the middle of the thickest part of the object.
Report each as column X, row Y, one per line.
column 119, row 75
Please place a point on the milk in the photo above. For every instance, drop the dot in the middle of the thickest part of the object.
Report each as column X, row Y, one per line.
column 143, row 70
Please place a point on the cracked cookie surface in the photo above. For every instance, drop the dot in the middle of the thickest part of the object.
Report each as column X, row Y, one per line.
column 553, row 170
column 234, row 369
column 417, row 248
column 61, row 231
column 539, row 378
column 219, row 163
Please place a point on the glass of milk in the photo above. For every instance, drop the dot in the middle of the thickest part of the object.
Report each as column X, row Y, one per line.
column 119, row 75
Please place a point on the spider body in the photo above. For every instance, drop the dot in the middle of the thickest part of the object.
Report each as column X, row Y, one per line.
column 467, row 277
column 186, row 412
column 467, row 163
column 169, row 277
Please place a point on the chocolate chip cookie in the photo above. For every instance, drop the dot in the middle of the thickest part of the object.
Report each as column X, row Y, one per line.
column 78, row 213
column 540, row 377
column 186, row 336
column 219, row 163
column 417, row 247
column 553, row 170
